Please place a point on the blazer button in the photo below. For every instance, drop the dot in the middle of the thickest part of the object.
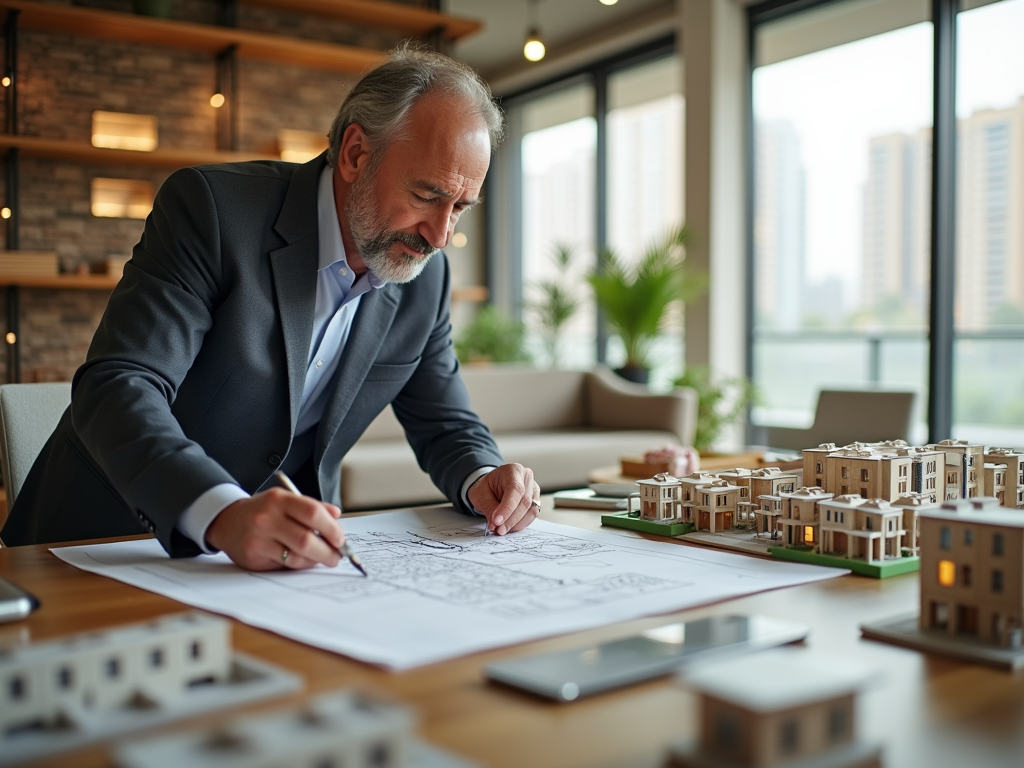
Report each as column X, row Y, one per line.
column 274, row 459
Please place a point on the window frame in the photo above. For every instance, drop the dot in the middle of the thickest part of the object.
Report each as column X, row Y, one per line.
column 941, row 331
column 597, row 74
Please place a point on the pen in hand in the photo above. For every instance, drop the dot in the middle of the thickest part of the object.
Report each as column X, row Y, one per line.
column 344, row 549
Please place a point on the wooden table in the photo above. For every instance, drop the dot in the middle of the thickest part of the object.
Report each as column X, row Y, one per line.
column 927, row 711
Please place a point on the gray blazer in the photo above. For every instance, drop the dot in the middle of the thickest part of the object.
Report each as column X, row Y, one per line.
column 195, row 375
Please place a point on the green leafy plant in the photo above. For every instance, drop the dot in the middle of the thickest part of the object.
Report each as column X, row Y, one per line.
column 556, row 303
column 494, row 337
column 720, row 402
column 635, row 299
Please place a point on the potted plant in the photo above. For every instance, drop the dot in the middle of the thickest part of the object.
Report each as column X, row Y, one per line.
column 635, row 299
column 556, row 301
column 492, row 337
column 720, row 402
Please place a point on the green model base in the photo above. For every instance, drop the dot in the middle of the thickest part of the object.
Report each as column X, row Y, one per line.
column 876, row 570
column 623, row 520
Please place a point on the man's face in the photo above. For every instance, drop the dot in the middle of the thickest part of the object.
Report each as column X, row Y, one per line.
column 401, row 212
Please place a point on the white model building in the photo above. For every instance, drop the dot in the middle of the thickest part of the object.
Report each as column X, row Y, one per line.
column 341, row 729
column 964, row 463
column 799, row 521
column 767, row 481
column 783, row 707
column 1014, row 479
column 660, row 499
column 715, row 506
column 885, row 470
column 861, row 529
column 99, row 671
column 912, row 504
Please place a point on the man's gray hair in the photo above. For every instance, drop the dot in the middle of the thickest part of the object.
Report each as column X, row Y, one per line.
column 380, row 102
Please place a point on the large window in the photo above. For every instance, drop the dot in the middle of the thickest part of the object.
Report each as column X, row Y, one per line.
column 598, row 160
column 843, row 109
column 988, row 402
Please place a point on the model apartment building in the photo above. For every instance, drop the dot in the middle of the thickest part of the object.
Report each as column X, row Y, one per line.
column 1010, row 490
column 972, row 571
column 800, row 713
column 103, row 671
column 885, row 470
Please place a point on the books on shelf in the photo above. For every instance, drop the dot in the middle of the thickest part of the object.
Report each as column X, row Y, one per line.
column 29, row 263
column 585, row 498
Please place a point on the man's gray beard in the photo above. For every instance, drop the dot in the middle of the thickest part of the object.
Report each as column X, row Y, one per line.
column 374, row 241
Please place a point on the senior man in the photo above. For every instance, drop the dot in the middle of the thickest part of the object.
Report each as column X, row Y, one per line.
column 268, row 314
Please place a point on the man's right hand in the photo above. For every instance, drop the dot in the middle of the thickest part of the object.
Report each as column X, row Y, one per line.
column 277, row 529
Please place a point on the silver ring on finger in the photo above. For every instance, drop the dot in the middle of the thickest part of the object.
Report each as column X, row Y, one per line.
column 284, row 556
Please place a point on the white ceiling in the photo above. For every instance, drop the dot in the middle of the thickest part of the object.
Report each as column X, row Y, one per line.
column 497, row 50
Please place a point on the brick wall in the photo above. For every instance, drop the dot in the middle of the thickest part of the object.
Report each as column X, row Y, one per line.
column 64, row 78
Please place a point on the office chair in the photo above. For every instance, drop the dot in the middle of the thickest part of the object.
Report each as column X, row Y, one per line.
column 846, row 416
column 28, row 415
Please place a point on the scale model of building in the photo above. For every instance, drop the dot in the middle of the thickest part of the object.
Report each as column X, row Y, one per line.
column 337, row 729
column 45, row 683
column 801, row 713
column 972, row 585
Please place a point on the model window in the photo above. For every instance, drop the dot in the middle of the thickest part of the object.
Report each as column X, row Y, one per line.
column 788, row 737
column 965, row 575
column 842, row 517
column 968, row 536
column 997, row 544
column 846, row 473
column 838, row 723
column 868, row 524
column 997, row 581
column 863, row 475
column 828, row 515
column 16, row 687
column 817, row 467
column 727, row 730
column 65, row 678
column 113, row 667
column 945, row 537
column 156, row 657
column 196, row 650
column 947, row 573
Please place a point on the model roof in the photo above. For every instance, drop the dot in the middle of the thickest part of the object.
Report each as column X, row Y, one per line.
column 1001, row 516
column 778, row 679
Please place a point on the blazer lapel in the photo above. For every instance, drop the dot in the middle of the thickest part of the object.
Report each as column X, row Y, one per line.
column 294, row 267
column 373, row 321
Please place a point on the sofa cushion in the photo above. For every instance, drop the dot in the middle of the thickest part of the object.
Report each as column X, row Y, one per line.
column 385, row 473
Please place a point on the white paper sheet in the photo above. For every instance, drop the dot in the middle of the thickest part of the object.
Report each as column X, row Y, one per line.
column 439, row 589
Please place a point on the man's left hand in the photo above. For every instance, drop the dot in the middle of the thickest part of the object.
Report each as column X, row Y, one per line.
column 508, row 497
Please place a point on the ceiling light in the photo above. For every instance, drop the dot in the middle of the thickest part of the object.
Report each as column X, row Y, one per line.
column 533, row 48
column 609, row 2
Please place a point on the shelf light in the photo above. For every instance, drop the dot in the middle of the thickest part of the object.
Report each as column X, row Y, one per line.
column 300, row 146
column 217, row 100
column 121, row 130
column 5, row 212
column 11, row 338
column 121, row 198
column 6, row 81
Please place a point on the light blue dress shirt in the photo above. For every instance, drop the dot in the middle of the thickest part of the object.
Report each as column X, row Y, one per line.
column 338, row 291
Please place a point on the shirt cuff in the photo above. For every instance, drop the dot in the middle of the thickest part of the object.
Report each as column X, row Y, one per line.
column 475, row 475
column 197, row 518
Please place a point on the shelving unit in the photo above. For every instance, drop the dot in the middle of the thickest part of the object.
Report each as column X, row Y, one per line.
column 79, row 152
column 87, row 282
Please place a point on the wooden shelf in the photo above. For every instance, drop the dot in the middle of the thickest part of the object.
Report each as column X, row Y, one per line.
column 89, row 282
column 61, row 149
column 415, row 20
column 205, row 38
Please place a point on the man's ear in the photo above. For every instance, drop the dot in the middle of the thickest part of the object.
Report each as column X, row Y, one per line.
column 354, row 154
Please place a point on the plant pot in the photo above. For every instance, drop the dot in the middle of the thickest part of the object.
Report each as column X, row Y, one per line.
column 634, row 374
column 160, row 9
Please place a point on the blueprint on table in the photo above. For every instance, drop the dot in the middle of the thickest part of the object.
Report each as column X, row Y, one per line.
column 438, row 588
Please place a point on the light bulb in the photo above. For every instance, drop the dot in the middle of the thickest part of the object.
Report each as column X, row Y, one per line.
column 11, row 338
column 609, row 2
column 534, row 49
column 5, row 212
column 217, row 100
column 6, row 81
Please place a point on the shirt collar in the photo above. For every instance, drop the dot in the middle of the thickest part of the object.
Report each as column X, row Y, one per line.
column 332, row 247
